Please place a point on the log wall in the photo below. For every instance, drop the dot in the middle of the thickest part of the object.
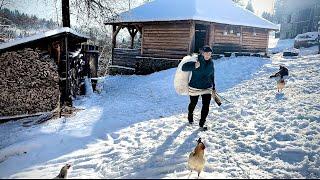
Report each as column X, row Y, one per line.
column 245, row 39
column 166, row 40
column 230, row 42
column 254, row 43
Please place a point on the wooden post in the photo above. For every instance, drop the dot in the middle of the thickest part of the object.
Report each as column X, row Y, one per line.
column 132, row 33
column 114, row 35
column 114, row 28
column 192, row 37
column 67, row 69
column 115, row 31
column 142, row 39
column 211, row 36
column 138, row 28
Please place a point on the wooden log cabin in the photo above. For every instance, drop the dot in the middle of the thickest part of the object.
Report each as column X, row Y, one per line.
column 172, row 29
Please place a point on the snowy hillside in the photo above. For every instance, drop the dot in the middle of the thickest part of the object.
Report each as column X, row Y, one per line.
column 137, row 128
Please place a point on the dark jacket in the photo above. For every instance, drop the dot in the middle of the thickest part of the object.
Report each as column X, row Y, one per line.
column 203, row 76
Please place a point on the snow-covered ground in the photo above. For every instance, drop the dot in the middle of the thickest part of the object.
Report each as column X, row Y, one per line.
column 137, row 128
column 276, row 45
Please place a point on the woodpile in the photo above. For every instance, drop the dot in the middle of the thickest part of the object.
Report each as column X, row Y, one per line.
column 29, row 83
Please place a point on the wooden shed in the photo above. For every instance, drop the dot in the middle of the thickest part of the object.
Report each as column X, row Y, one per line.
column 171, row 29
column 62, row 45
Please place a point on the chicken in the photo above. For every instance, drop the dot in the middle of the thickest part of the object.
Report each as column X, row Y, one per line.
column 196, row 159
column 63, row 172
column 280, row 85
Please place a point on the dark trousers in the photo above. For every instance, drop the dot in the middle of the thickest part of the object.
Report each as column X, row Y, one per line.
column 206, row 98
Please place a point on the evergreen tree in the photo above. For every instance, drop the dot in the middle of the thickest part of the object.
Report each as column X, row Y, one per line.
column 268, row 16
column 249, row 6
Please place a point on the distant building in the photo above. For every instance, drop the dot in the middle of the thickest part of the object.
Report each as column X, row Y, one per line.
column 171, row 30
column 298, row 17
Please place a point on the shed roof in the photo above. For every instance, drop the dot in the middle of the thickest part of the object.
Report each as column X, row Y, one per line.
column 218, row 11
column 40, row 36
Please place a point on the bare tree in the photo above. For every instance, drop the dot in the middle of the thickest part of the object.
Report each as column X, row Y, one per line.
column 4, row 3
column 240, row 2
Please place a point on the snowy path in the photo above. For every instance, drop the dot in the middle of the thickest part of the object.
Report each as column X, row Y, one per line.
column 137, row 128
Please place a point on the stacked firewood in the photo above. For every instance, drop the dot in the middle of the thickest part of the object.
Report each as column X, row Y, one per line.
column 29, row 83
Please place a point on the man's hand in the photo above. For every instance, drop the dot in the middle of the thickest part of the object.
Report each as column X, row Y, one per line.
column 197, row 64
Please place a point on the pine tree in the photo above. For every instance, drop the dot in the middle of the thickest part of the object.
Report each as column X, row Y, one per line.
column 268, row 16
column 249, row 6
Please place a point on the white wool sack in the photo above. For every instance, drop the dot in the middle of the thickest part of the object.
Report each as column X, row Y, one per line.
column 182, row 78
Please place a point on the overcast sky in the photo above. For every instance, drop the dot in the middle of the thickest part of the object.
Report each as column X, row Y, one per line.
column 47, row 8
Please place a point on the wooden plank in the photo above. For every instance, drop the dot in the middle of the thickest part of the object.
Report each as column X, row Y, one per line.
column 255, row 37
column 228, row 41
column 161, row 51
column 166, row 39
column 142, row 40
column 167, row 29
column 166, row 48
column 234, row 42
column 166, row 44
column 171, row 33
column 172, row 36
column 227, row 38
column 253, row 46
column 212, row 34
column 254, row 42
column 191, row 37
column 164, row 55
column 163, row 26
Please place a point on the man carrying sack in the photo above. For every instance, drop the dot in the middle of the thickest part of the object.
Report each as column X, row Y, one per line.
column 201, row 83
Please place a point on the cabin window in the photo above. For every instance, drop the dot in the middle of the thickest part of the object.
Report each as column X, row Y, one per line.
column 231, row 31
column 238, row 34
column 254, row 33
column 225, row 32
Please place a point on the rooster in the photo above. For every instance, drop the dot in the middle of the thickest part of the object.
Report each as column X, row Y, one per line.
column 63, row 172
column 196, row 158
column 280, row 85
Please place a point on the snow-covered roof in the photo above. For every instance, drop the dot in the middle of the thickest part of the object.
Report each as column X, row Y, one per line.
column 219, row 11
column 40, row 36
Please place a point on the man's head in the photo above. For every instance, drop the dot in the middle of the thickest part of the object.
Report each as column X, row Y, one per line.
column 206, row 52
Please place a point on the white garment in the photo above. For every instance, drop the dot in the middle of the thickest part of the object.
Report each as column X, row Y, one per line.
column 182, row 78
column 198, row 92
